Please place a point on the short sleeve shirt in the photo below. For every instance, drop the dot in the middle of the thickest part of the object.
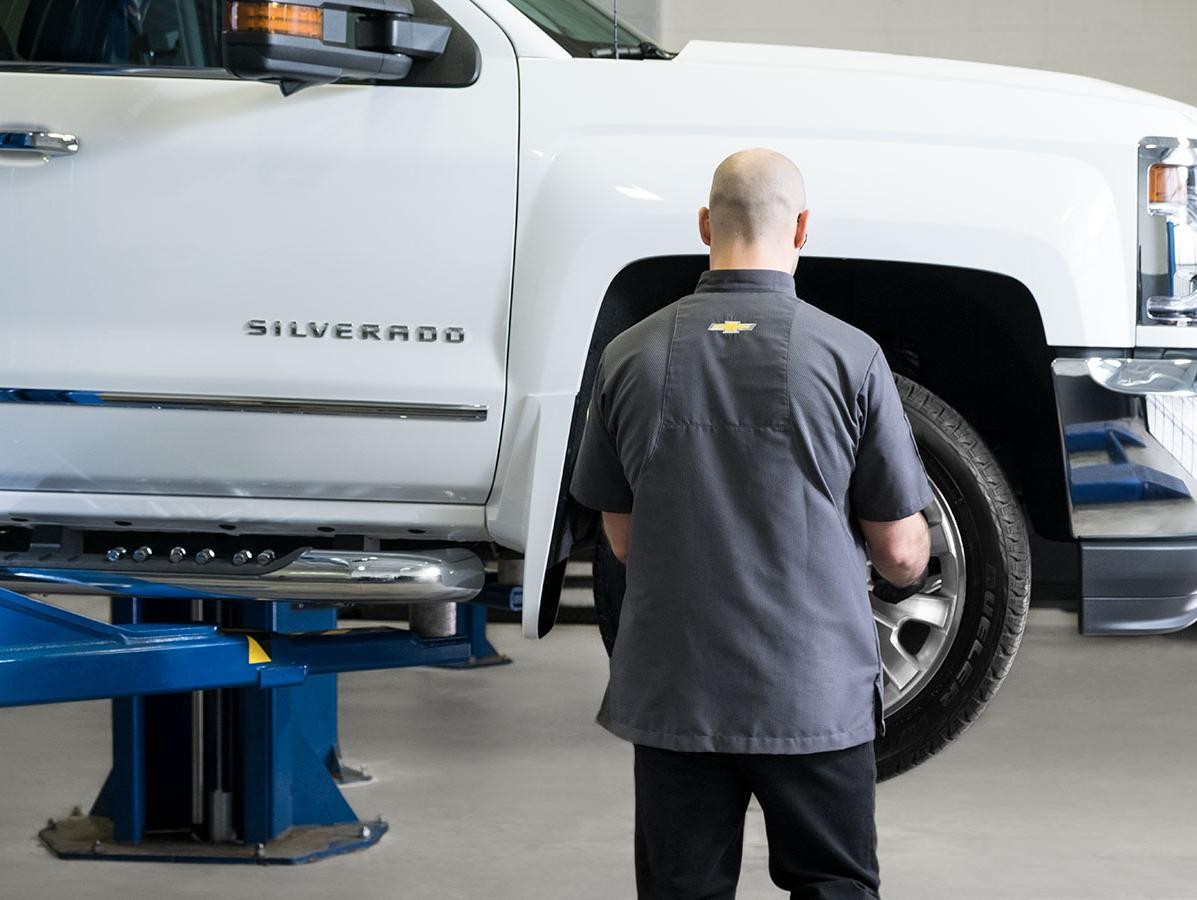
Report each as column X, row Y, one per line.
column 746, row 432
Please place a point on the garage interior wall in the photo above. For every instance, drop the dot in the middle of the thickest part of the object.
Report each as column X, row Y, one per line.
column 1147, row 44
column 644, row 15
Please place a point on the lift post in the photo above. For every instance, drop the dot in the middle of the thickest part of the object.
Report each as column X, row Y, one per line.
column 224, row 730
column 472, row 621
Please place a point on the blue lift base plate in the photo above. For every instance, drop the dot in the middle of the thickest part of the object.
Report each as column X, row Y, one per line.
column 90, row 837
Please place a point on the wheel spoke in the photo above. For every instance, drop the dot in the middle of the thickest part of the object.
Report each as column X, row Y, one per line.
column 939, row 541
column 926, row 608
column 886, row 614
column 899, row 667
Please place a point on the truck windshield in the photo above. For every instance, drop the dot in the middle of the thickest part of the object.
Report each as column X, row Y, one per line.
column 582, row 27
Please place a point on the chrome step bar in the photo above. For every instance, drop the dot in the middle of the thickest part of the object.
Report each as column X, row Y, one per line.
column 338, row 576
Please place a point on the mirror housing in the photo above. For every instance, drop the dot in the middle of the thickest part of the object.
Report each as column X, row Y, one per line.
column 300, row 43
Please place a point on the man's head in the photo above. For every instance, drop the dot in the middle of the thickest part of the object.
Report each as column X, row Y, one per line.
column 757, row 215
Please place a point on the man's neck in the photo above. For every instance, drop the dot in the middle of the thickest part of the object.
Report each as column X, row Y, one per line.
column 750, row 258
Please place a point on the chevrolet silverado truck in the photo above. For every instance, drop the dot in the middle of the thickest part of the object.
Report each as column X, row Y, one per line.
column 335, row 341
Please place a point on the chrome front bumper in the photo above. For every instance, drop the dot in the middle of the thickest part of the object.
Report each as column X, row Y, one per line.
column 1129, row 428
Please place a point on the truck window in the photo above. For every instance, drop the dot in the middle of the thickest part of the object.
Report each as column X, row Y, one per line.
column 577, row 25
column 118, row 33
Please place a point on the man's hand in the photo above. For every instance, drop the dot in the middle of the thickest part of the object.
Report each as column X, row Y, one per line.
column 899, row 550
column 888, row 593
column 618, row 528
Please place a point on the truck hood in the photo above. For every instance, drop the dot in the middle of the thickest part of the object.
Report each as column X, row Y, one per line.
column 828, row 63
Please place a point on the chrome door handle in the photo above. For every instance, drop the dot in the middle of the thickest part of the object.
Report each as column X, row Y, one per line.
column 43, row 143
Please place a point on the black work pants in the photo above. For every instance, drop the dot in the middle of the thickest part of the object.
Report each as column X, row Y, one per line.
column 819, row 817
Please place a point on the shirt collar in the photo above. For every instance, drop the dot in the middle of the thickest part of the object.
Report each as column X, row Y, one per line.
column 769, row 281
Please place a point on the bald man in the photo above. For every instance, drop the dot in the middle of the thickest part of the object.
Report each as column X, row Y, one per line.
column 746, row 451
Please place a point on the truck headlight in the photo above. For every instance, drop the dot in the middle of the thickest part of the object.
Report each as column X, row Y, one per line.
column 1167, row 232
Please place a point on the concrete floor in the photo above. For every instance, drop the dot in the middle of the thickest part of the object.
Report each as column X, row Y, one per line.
column 1078, row 783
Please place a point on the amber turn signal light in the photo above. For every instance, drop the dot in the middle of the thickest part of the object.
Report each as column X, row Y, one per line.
column 275, row 18
column 1168, row 185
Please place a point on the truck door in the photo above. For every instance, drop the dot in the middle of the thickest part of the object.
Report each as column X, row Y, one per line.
column 212, row 289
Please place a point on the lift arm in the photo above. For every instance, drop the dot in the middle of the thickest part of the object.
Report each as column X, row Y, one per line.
column 52, row 655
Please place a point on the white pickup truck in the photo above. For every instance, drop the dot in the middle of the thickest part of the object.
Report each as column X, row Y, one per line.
column 334, row 342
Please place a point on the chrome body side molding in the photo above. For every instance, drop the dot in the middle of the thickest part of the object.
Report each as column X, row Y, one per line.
column 217, row 403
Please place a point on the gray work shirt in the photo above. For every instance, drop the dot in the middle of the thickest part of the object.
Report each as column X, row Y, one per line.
column 745, row 431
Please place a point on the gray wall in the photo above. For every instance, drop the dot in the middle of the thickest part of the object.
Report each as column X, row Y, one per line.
column 642, row 14
column 1148, row 44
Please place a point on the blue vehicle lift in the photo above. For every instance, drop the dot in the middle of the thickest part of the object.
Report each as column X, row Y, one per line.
column 224, row 730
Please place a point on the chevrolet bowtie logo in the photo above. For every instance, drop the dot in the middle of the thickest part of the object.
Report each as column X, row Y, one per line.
column 731, row 326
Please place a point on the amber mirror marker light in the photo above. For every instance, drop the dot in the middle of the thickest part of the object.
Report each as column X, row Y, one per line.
column 275, row 18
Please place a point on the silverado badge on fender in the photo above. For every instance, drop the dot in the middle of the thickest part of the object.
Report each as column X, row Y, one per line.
column 348, row 331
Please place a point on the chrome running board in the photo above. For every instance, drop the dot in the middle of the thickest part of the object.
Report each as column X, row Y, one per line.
column 339, row 576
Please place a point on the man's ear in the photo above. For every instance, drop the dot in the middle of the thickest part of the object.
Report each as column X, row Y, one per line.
column 704, row 225
column 800, row 231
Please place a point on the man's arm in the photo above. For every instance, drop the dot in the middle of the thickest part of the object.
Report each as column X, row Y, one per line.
column 599, row 481
column 889, row 487
column 899, row 550
column 618, row 528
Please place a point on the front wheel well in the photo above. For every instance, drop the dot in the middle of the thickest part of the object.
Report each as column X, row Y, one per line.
column 973, row 338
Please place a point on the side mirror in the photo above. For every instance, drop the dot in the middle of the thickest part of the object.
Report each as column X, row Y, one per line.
column 299, row 43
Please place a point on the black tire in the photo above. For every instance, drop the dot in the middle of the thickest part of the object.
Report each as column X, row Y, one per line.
column 996, row 596
column 997, row 591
